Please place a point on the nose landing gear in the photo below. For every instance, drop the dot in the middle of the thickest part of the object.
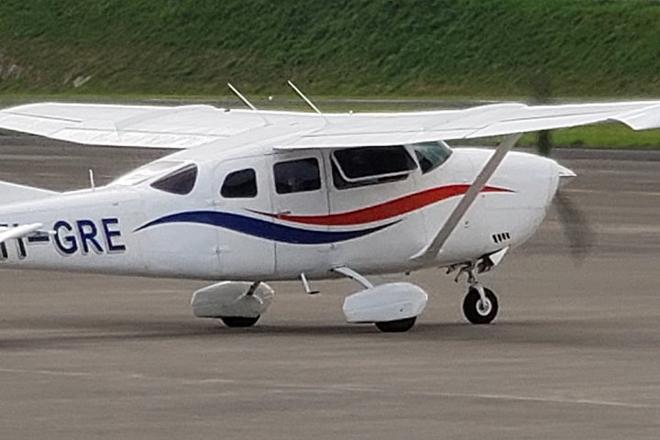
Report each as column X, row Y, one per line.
column 480, row 308
column 480, row 305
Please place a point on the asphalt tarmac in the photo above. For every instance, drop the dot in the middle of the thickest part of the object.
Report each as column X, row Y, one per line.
column 575, row 352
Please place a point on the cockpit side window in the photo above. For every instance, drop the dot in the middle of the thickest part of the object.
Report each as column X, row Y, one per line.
column 431, row 155
column 297, row 176
column 354, row 167
column 179, row 182
column 240, row 184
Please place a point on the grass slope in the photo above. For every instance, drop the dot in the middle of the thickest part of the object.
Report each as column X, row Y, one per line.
column 132, row 49
column 339, row 47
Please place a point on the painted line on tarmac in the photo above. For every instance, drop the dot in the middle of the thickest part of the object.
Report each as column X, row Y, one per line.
column 340, row 387
column 47, row 372
column 559, row 400
column 609, row 192
column 601, row 228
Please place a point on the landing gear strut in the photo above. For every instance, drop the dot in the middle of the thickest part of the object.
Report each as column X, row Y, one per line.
column 480, row 304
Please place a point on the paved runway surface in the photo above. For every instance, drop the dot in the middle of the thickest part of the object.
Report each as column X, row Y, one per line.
column 575, row 352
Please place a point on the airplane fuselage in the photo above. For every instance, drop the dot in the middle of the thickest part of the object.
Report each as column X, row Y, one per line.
column 136, row 229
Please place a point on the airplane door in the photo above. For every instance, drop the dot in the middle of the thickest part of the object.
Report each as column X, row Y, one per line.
column 380, row 204
column 300, row 203
column 241, row 195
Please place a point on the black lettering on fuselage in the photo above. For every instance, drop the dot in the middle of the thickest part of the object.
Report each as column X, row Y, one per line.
column 67, row 244
column 83, row 236
column 20, row 246
column 110, row 234
column 3, row 246
column 88, row 232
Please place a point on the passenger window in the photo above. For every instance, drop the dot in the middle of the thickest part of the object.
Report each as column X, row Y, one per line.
column 431, row 155
column 297, row 176
column 179, row 182
column 240, row 184
column 354, row 167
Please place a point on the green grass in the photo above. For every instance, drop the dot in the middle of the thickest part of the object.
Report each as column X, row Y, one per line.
column 438, row 48
column 609, row 136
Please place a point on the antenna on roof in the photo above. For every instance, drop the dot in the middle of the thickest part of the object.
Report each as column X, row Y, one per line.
column 246, row 102
column 306, row 99
column 92, row 183
column 241, row 97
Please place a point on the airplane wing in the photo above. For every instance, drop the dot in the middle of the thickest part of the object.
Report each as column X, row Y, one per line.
column 475, row 122
column 190, row 126
column 179, row 127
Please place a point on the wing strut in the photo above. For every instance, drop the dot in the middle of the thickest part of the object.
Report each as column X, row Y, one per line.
column 431, row 251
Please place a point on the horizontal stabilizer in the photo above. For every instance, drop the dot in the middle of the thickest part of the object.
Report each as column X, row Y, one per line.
column 14, row 193
column 18, row 231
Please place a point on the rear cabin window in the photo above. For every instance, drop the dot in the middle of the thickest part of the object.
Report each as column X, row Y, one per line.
column 179, row 182
column 240, row 184
column 297, row 176
column 431, row 155
column 354, row 167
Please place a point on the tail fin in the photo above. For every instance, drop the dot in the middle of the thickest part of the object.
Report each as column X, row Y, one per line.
column 14, row 193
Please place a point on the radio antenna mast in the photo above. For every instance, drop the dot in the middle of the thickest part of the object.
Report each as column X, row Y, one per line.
column 246, row 102
column 306, row 99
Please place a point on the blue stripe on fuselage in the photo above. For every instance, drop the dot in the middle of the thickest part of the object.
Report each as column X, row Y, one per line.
column 261, row 228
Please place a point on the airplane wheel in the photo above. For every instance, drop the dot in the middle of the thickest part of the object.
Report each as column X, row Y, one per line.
column 402, row 325
column 239, row 321
column 477, row 312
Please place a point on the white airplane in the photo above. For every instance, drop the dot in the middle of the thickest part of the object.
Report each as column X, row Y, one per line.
column 253, row 196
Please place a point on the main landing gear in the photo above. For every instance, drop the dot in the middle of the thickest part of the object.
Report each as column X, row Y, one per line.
column 480, row 304
column 391, row 307
column 399, row 326
column 239, row 321
column 236, row 304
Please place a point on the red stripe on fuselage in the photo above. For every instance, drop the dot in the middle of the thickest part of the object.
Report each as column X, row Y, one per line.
column 385, row 210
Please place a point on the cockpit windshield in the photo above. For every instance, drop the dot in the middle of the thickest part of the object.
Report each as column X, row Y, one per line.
column 431, row 155
column 181, row 181
column 147, row 172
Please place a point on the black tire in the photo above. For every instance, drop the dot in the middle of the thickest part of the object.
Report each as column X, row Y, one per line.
column 400, row 326
column 471, row 310
column 239, row 321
